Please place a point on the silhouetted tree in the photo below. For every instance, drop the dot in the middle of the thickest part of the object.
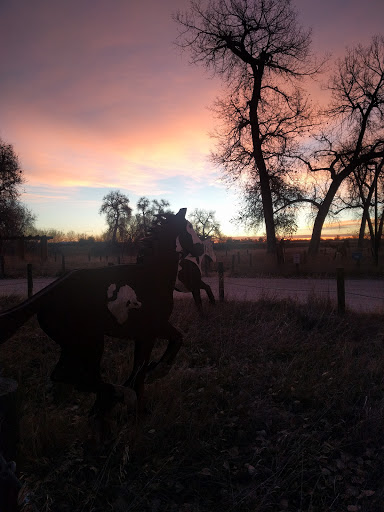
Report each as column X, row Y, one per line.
column 148, row 211
column 205, row 224
column 141, row 221
column 143, row 206
column 356, row 134
column 286, row 204
column 15, row 218
column 365, row 193
column 116, row 208
column 258, row 48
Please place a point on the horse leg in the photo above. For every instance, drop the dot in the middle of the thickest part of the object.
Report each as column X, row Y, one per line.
column 208, row 290
column 197, row 299
column 79, row 362
column 143, row 349
column 161, row 368
column 79, row 365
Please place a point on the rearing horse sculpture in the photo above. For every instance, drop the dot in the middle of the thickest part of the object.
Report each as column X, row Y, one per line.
column 123, row 301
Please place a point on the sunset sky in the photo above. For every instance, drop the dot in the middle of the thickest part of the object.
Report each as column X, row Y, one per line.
column 94, row 96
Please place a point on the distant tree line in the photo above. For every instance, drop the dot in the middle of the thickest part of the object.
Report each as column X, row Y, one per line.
column 124, row 224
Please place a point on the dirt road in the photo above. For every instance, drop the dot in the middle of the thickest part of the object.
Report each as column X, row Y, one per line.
column 360, row 294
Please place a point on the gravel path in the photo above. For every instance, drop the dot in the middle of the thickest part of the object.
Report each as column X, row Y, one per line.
column 360, row 294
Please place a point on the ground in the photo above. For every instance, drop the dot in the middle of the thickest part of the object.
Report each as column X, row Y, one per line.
column 271, row 406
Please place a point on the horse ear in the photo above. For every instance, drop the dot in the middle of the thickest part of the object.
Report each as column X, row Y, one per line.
column 182, row 212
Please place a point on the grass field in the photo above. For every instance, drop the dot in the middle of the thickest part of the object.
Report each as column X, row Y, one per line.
column 271, row 406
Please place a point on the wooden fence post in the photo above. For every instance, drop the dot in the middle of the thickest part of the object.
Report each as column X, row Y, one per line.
column 233, row 264
column 340, row 291
column 9, row 437
column 63, row 263
column 9, row 486
column 29, row 280
column 44, row 248
column 220, row 270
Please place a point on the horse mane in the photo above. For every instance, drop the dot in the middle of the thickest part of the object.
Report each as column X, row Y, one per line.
column 153, row 235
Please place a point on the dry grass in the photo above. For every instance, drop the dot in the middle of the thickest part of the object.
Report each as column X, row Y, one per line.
column 271, row 406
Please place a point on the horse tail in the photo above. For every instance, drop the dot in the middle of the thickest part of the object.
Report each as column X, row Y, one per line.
column 14, row 318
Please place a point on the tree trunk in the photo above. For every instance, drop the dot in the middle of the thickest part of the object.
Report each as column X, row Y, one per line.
column 379, row 234
column 360, row 242
column 365, row 219
column 314, row 243
column 267, row 207
column 114, row 233
column 266, row 196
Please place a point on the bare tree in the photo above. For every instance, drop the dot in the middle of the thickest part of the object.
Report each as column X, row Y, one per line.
column 11, row 174
column 15, row 218
column 142, row 220
column 205, row 223
column 143, row 206
column 258, row 48
column 148, row 210
column 356, row 118
column 365, row 194
column 116, row 208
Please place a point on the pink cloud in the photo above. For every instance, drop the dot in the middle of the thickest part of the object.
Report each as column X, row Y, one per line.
column 57, row 152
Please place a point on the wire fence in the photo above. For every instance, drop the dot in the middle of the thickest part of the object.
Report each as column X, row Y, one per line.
column 238, row 288
column 302, row 290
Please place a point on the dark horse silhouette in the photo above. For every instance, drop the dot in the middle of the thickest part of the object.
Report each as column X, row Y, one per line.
column 123, row 301
column 189, row 273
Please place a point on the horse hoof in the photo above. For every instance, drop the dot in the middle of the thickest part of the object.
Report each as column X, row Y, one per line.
column 127, row 396
column 101, row 431
column 151, row 366
column 159, row 371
